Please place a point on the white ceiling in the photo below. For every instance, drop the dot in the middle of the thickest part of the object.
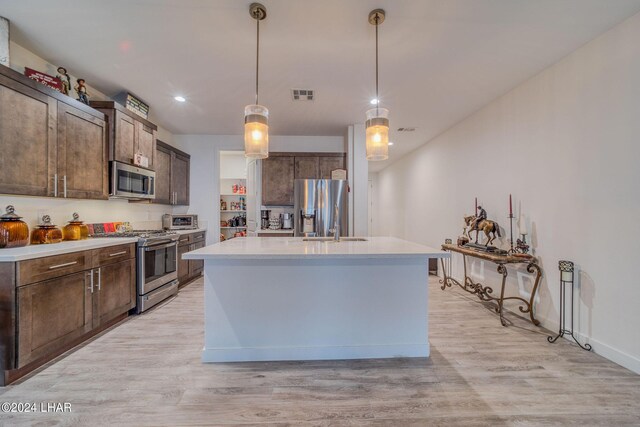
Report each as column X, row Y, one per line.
column 440, row 59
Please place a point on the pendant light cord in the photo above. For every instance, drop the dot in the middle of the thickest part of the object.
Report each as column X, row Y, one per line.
column 377, row 98
column 257, row 55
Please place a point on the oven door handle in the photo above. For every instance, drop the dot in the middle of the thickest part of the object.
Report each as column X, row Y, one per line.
column 156, row 247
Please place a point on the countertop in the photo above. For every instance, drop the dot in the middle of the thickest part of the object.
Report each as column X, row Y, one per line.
column 269, row 231
column 39, row 251
column 195, row 230
column 296, row 248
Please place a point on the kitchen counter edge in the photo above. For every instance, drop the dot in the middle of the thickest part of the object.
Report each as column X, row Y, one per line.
column 41, row 251
column 295, row 248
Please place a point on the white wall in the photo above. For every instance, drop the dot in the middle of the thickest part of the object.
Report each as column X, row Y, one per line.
column 4, row 41
column 233, row 165
column 358, row 173
column 21, row 58
column 566, row 144
column 141, row 215
column 205, row 173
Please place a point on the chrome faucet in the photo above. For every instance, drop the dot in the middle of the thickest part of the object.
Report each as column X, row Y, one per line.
column 336, row 223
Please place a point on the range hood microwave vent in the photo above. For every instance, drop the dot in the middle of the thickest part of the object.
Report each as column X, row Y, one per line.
column 302, row 94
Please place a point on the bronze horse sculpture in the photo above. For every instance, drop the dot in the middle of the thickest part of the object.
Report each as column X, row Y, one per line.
column 486, row 225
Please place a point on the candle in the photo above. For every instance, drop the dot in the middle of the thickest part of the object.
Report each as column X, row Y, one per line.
column 510, row 207
column 566, row 276
column 522, row 225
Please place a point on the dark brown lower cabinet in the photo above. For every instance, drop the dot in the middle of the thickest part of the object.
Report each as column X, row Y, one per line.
column 196, row 266
column 48, row 305
column 51, row 314
column 183, row 264
column 116, row 293
column 190, row 269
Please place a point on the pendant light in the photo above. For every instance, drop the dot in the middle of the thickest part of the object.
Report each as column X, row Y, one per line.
column 377, row 135
column 256, row 117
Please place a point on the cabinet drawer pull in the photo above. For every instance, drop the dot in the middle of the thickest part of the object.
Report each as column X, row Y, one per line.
column 118, row 253
column 66, row 264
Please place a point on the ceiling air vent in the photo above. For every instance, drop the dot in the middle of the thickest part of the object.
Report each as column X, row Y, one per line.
column 406, row 129
column 302, row 94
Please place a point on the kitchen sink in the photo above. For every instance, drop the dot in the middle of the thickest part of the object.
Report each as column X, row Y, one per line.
column 331, row 239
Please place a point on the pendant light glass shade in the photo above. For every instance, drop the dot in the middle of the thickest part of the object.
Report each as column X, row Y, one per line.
column 377, row 135
column 256, row 131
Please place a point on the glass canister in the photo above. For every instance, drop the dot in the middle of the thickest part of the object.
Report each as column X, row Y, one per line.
column 14, row 232
column 75, row 229
column 46, row 233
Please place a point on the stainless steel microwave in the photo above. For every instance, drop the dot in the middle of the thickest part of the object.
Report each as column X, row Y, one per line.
column 131, row 182
column 179, row 222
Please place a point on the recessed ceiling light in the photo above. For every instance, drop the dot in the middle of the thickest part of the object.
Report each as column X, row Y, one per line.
column 390, row 143
column 374, row 101
column 179, row 98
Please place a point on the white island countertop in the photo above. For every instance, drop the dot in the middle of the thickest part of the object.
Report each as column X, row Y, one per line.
column 297, row 248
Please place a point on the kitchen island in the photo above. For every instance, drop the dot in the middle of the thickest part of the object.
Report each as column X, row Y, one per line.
column 294, row 299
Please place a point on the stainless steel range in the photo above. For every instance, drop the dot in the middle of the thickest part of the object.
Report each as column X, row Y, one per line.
column 156, row 265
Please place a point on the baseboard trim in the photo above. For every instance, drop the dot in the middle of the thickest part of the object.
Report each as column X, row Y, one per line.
column 623, row 359
column 619, row 357
column 265, row 354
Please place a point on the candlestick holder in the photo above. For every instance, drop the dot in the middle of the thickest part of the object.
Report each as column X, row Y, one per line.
column 521, row 245
column 566, row 280
column 511, row 250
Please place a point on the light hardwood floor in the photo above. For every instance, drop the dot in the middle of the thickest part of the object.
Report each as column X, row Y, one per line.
column 147, row 371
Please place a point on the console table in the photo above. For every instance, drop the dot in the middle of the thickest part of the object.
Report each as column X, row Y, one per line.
column 485, row 293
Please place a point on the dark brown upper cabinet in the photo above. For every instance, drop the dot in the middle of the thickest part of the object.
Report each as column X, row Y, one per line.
column 279, row 171
column 82, row 154
column 277, row 180
column 327, row 164
column 180, row 169
column 172, row 175
column 128, row 133
column 163, row 175
column 307, row 167
column 51, row 144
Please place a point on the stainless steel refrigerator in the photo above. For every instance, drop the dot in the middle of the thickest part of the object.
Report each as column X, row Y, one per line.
column 315, row 203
